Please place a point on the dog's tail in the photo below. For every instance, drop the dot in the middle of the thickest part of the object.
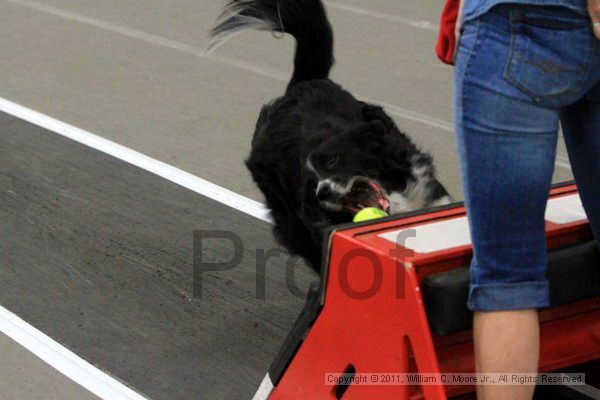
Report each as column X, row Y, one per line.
column 305, row 20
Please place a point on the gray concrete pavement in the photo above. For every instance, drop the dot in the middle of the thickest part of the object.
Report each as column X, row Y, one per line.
column 23, row 376
column 133, row 72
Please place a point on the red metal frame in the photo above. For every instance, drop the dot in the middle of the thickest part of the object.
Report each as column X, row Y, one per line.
column 388, row 331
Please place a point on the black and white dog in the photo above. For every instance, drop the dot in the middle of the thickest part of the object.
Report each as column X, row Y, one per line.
column 318, row 154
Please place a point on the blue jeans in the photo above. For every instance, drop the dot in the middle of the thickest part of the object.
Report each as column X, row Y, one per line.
column 520, row 70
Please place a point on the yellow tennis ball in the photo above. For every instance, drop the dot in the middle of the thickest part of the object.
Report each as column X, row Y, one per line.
column 369, row 213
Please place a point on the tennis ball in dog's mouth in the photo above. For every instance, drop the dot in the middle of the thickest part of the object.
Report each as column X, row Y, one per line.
column 369, row 213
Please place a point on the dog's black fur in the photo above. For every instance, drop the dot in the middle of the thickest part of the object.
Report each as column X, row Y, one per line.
column 318, row 154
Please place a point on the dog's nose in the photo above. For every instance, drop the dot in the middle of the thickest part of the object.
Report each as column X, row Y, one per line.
column 324, row 191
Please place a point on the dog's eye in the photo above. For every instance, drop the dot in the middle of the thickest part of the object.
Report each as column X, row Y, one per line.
column 332, row 162
column 373, row 172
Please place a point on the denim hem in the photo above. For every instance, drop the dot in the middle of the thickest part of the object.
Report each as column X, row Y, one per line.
column 509, row 296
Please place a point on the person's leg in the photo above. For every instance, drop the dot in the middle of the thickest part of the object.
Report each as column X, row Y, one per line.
column 508, row 175
column 581, row 126
column 506, row 341
column 507, row 143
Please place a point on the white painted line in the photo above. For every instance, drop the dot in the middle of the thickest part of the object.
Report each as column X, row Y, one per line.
column 427, row 25
column 264, row 390
column 63, row 360
column 175, row 175
column 412, row 115
column 432, row 237
column 566, row 209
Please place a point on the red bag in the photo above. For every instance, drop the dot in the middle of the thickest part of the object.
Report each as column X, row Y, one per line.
column 446, row 42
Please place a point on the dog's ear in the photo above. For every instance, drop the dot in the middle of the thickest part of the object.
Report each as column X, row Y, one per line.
column 375, row 113
column 378, row 128
column 368, row 131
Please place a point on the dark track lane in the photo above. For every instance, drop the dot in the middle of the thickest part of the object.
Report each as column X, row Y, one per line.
column 97, row 254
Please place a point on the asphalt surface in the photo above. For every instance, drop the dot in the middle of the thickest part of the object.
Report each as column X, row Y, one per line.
column 99, row 255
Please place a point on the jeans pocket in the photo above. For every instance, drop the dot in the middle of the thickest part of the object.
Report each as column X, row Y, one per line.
column 550, row 52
